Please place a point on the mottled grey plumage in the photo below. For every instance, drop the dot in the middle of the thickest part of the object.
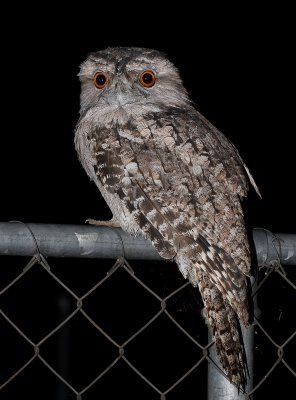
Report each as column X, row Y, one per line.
column 169, row 175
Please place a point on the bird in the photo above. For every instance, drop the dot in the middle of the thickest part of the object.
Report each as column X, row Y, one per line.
column 170, row 176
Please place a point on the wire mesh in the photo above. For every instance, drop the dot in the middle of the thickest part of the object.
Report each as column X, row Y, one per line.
column 83, row 329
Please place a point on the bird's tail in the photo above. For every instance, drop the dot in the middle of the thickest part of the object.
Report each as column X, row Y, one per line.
column 226, row 332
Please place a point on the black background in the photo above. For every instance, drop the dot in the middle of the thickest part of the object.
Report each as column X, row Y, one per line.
column 237, row 65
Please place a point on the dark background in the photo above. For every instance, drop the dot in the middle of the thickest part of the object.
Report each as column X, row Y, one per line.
column 236, row 64
column 238, row 67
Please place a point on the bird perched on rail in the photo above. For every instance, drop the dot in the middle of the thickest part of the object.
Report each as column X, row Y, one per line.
column 169, row 175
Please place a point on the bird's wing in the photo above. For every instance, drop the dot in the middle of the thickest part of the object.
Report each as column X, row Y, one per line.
column 182, row 184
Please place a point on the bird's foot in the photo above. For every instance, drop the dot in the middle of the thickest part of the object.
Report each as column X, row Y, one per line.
column 111, row 223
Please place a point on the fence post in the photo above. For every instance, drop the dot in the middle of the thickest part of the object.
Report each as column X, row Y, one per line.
column 218, row 386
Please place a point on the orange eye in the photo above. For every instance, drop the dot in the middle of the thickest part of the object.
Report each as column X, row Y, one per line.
column 100, row 80
column 147, row 78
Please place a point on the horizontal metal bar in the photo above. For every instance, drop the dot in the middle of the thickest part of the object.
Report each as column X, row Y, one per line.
column 61, row 240
column 273, row 247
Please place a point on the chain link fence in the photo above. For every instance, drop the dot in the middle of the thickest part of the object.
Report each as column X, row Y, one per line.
column 75, row 324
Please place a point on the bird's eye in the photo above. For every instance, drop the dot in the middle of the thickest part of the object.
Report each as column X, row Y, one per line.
column 100, row 80
column 147, row 78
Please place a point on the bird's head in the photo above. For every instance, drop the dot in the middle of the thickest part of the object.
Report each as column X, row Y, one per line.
column 130, row 79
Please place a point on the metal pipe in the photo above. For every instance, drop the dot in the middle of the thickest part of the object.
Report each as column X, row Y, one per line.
column 218, row 386
column 272, row 247
column 60, row 240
